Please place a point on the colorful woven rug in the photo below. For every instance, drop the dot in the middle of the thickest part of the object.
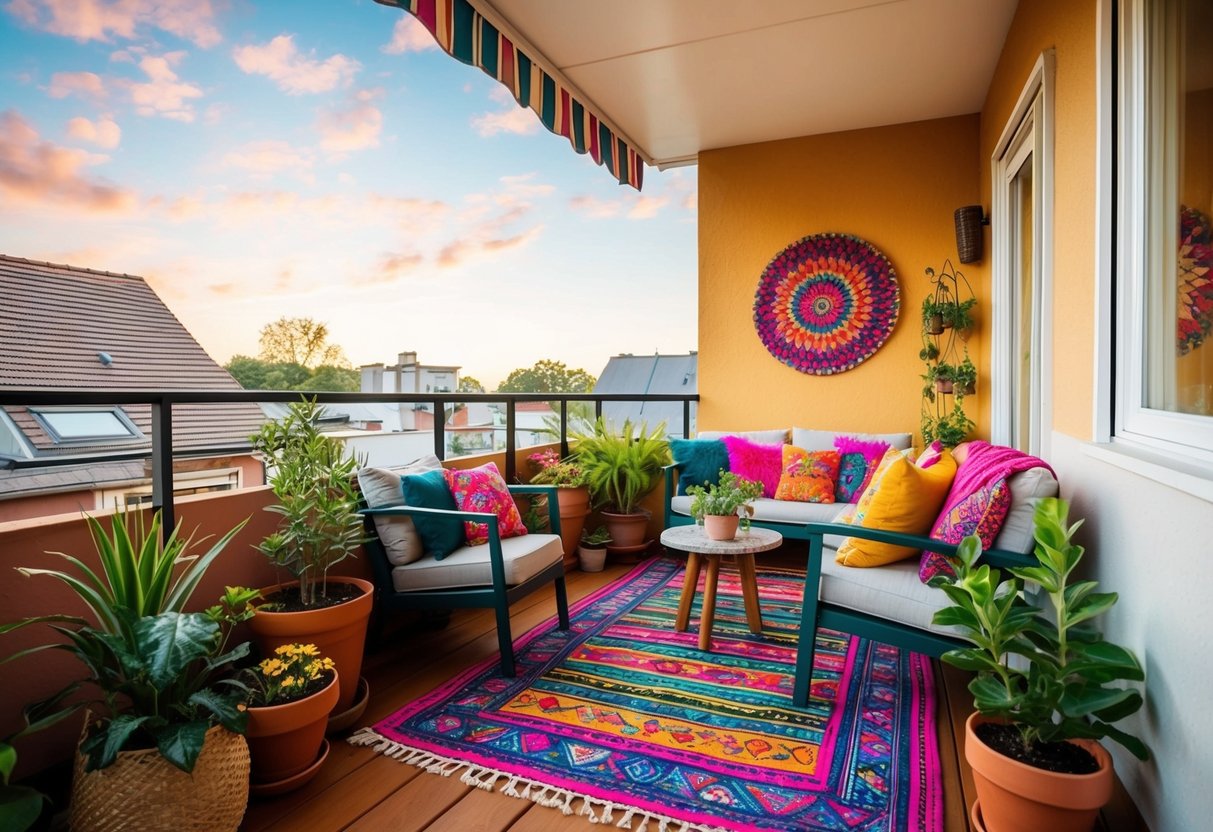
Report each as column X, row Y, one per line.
column 626, row 721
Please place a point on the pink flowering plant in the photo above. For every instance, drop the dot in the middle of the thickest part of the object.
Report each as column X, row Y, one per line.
column 550, row 469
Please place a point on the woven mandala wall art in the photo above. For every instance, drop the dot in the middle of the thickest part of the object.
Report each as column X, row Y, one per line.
column 826, row 303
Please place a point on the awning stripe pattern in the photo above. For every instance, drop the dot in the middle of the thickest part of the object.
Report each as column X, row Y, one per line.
column 466, row 35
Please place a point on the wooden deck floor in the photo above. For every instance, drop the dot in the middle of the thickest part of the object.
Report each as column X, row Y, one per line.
column 358, row 789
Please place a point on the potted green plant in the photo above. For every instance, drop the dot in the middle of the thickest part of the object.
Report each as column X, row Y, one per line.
column 950, row 429
column 1046, row 708
column 164, row 722
column 720, row 506
column 592, row 551
column 621, row 467
column 573, row 497
column 314, row 481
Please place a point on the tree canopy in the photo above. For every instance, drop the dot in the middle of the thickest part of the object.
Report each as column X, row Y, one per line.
column 301, row 341
column 547, row 376
column 255, row 374
column 470, row 384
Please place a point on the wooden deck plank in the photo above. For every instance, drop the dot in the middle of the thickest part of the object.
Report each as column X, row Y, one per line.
column 481, row 811
column 414, row 806
column 955, row 810
column 345, row 801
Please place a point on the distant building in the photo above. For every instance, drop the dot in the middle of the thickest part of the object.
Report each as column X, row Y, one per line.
column 655, row 374
column 67, row 328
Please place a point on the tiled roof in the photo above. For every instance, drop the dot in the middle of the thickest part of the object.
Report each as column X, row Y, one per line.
column 55, row 320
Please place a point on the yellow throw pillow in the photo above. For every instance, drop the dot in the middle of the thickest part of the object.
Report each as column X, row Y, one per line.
column 901, row 498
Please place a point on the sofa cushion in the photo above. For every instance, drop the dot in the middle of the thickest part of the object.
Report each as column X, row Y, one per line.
column 823, row 440
column 755, row 461
column 777, row 511
column 892, row 592
column 440, row 534
column 901, row 498
column 858, row 460
column 524, row 557
column 807, row 476
column 381, row 488
column 1019, row 528
column 776, row 436
column 699, row 461
column 482, row 489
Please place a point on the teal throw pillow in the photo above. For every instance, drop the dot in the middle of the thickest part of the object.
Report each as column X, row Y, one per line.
column 699, row 461
column 440, row 535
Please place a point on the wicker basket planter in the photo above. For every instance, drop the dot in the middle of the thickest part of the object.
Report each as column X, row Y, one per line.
column 143, row 792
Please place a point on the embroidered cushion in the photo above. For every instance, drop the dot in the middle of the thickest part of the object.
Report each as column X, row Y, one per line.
column 981, row 513
column 440, row 535
column 807, row 476
column 858, row 460
column 901, row 498
column 754, row 461
column 483, row 489
column 382, row 487
column 699, row 461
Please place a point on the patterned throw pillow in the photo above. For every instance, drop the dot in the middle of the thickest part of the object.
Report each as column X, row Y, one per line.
column 699, row 461
column 808, row 476
column 981, row 513
column 440, row 534
column 753, row 461
column 901, row 498
column 930, row 455
column 483, row 489
column 858, row 460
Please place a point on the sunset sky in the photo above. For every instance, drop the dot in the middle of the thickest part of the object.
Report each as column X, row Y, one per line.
column 325, row 159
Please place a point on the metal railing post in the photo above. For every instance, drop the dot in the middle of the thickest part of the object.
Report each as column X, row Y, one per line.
column 510, row 462
column 439, row 428
column 162, row 464
column 564, row 427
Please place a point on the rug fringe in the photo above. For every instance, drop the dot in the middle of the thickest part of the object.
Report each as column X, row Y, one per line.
column 482, row 777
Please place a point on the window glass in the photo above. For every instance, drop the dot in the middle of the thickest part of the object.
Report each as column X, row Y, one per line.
column 69, row 425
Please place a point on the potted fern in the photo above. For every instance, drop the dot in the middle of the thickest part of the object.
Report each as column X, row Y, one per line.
column 1032, row 740
column 621, row 467
column 720, row 506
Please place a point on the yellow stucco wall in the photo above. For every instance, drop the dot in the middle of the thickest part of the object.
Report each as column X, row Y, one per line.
column 897, row 188
column 1069, row 29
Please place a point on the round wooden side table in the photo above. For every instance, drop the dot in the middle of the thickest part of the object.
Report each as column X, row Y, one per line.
column 693, row 541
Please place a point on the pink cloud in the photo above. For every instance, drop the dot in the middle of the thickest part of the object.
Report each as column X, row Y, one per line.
column 84, row 84
column 86, row 20
column 268, row 157
column 103, row 132
column 408, row 35
column 390, row 268
column 516, row 120
column 647, row 207
column 596, row 208
column 37, row 171
column 164, row 93
column 353, row 126
column 294, row 72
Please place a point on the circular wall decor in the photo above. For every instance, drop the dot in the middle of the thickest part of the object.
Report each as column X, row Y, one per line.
column 826, row 303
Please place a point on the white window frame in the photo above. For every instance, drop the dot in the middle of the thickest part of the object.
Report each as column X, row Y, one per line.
column 183, row 481
column 1123, row 416
column 1028, row 129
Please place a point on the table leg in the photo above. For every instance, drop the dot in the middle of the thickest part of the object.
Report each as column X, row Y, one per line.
column 708, row 616
column 690, row 583
column 749, row 591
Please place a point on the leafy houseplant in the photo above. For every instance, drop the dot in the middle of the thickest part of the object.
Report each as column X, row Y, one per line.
column 572, row 496
column 592, row 552
column 313, row 479
column 1064, row 692
column 621, row 467
column 724, row 501
column 158, row 669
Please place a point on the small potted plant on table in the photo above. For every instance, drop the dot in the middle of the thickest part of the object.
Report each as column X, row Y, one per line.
column 592, row 551
column 313, row 479
column 1032, row 740
column 720, row 506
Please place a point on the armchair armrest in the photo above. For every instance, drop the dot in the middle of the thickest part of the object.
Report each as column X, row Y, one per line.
column 496, row 559
column 1000, row 558
column 549, row 491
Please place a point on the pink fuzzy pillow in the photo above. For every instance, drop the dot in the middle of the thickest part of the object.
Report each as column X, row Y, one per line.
column 754, row 461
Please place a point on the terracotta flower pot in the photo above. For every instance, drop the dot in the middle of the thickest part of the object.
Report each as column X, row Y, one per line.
column 284, row 739
column 339, row 632
column 574, row 506
column 943, row 385
column 627, row 530
column 1016, row 797
column 935, row 325
column 592, row 558
column 720, row 526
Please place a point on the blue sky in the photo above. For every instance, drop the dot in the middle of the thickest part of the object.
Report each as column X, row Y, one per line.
column 322, row 158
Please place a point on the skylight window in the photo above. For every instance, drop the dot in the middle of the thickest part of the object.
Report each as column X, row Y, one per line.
column 87, row 425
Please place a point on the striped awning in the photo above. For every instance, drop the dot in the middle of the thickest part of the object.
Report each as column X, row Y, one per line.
column 464, row 33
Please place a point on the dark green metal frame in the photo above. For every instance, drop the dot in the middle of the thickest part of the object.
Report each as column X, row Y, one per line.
column 497, row 596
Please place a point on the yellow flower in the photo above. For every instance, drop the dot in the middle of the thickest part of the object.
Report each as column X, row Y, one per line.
column 308, row 650
column 289, row 682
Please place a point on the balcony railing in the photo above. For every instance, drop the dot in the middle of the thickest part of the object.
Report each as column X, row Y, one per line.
column 161, row 402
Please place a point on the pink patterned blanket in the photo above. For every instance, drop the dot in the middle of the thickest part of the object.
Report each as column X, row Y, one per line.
column 985, row 465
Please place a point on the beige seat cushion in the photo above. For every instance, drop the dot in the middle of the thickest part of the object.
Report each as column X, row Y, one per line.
column 524, row 557
column 1018, row 532
column 775, row 436
column 381, row 489
column 892, row 591
column 823, row 440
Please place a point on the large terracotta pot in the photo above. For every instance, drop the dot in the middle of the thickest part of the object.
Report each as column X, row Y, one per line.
column 1015, row 797
column 339, row 632
column 720, row 526
column 144, row 791
column 284, row 739
column 627, row 530
column 574, row 506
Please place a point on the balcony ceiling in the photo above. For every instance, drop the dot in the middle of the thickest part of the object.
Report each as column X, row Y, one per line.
column 681, row 76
